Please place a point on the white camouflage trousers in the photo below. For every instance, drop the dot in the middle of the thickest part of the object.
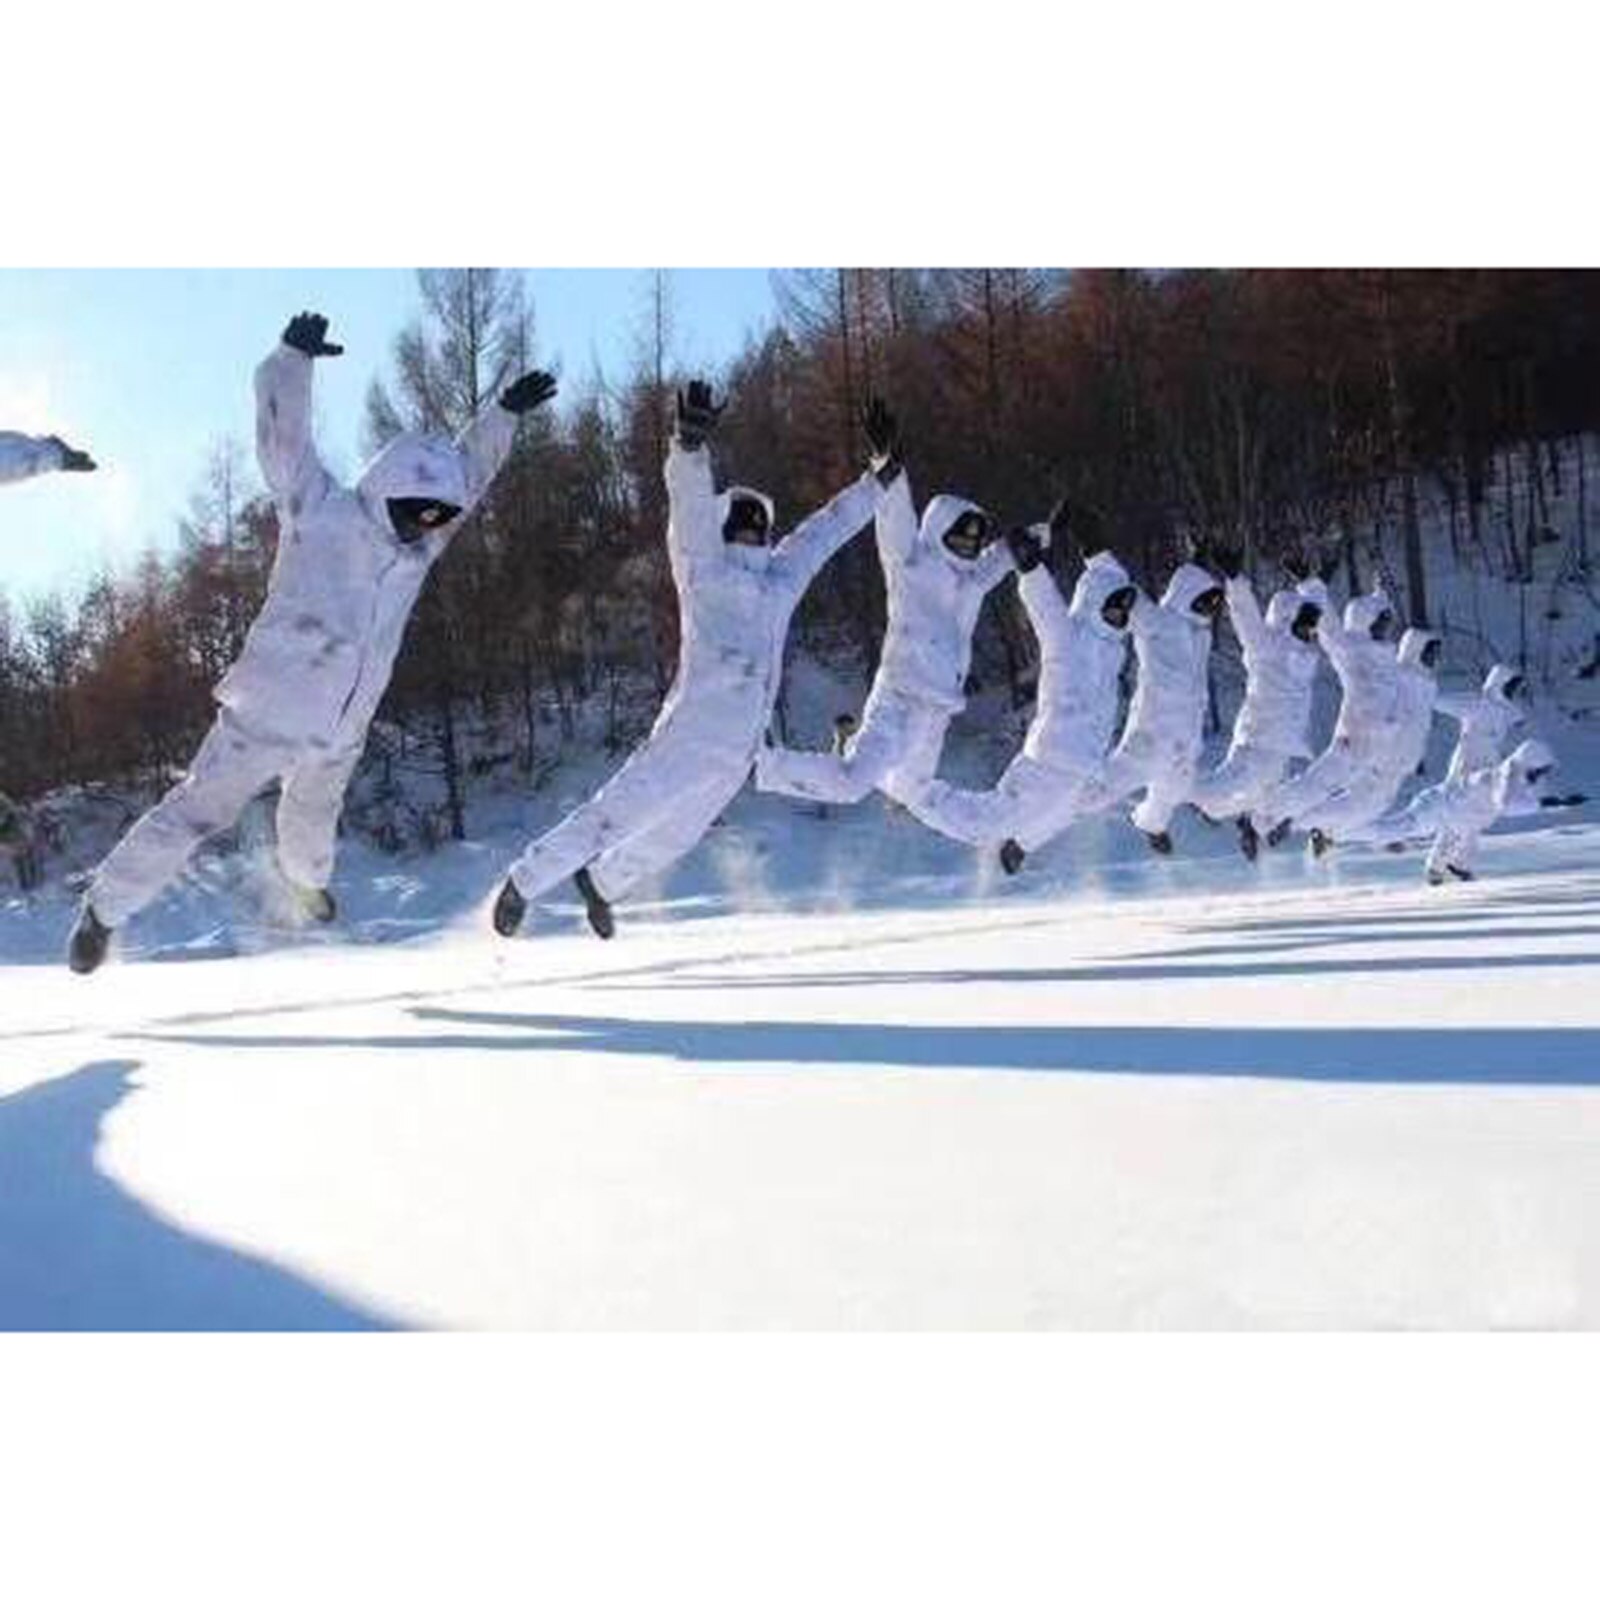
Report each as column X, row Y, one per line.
column 229, row 769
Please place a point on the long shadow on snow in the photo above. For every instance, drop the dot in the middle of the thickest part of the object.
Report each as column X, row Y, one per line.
column 1140, row 970
column 1552, row 1056
column 78, row 1252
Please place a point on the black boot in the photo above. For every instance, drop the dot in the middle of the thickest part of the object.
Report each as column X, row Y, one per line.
column 1321, row 843
column 1012, row 855
column 1278, row 833
column 1460, row 874
column 317, row 904
column 1249, row 839
column 509, row 910
column 90, row 940
column 1161, row 842
column 595, row 903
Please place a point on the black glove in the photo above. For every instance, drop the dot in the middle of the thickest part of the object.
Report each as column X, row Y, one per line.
column 882, row 429
column 529, row 392
column 308, row 333
column 72, row 460
column 1027, row 551
column 697, row 414
column 1228, row 561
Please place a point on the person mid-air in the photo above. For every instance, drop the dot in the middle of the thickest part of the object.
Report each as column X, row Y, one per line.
column 1165, row 732
column 1082, row 646
column 1273, row 727
column 738, row 586
column 936, row 573
column 296, row 705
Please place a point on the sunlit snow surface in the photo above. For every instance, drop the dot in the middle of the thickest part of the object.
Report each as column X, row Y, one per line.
column 840, row 1074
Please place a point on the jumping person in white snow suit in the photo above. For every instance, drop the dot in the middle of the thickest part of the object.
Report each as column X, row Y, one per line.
column 1165, row 732
column 738, row 586
column 1082, row 646
column 1514, row 787
column 1486, row 719
column 1364, row 661
column 936, row 574
column 23, row 456
column 1367, row 794
column 1273, row 726
column 296, row 704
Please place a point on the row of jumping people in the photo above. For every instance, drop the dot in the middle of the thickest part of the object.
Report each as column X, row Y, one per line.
column 296, row 705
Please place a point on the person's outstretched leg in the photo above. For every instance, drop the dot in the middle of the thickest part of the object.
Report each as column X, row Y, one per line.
column 308, row 826
column 672, row 835
column 643, row 790
column 877, row 748
column 228, row 769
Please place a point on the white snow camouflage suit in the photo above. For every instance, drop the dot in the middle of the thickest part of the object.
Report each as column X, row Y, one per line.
column 22, row 456
column 296, row 704
column 1080, row 666
column 1472, row 806
column 934, row 597
column 1273, row 727
column 1160, row 746
column 734, row 605
column 1486, row 719
column 1368, row 674
column 1371, row 788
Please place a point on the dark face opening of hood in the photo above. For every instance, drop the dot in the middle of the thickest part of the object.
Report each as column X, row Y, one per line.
column 1208, row 603
column 968, row 536
column 1304, row 626
column 1383, row 626
column 747, row 522
column 413, row 518
column 1117, row 609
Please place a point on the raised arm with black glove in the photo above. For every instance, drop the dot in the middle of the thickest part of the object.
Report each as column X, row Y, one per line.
column 697, row 414
column 882, row 429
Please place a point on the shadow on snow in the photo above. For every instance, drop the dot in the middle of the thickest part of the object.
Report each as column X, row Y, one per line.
column 77, row 1251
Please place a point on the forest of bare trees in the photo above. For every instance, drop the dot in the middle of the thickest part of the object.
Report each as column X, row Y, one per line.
column 1269, row 409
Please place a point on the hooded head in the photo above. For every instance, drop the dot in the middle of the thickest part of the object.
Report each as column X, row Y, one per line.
column 1193, row 592
column 1105, row 593
column 1504, row 684
column 415, row 486
column 1419, row 648
column 746, row 517
column 958, row 527
column 1370, row 614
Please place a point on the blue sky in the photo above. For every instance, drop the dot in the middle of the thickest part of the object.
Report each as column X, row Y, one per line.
column 146, row 369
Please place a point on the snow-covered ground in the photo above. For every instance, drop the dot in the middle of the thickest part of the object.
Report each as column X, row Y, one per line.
column 840, row 1077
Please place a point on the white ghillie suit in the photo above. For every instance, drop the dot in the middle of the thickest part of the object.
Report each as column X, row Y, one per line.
column 1368, row 674
column 734, row 606
column 296, row 704
column 1486, row 720
column 23, row 456
column 1273, row 727
column 934, row 597
column 1477, row 802
column 1080, row 667
column 1160, row 746
column 1371, row 788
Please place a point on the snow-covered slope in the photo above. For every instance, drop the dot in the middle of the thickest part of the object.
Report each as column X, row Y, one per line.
column 1176, row 1096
